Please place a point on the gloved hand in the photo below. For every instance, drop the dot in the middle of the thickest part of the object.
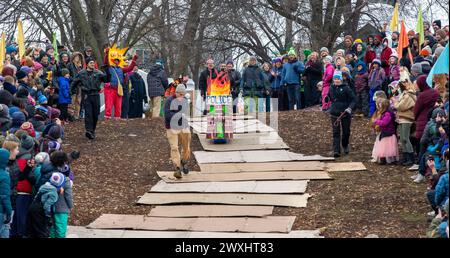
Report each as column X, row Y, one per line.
column 135, row 57
column 349, row 111
column 7, row 219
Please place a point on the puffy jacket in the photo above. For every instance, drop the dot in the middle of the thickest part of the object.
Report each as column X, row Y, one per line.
column 89, row 81
column 425, row 102
column 26, row 177
column 64, row 91
column 5, row 184
column 376, row 79
column 361, row 82
column 386, row 123
column 157, row 81
column 253, row 82
column 442, row 190
column 65, row 200
column 276, row 83
column 341, row 97
column 291, row 72
column 405, row 106
column 385, row 56
column 47, row 196
column 235, row 80
column 394, row 73
column 328, row 75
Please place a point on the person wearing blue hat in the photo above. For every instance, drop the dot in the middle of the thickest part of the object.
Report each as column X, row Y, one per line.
column 343, row 101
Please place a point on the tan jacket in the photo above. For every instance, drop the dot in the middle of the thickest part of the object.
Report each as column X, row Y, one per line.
column 405, row 106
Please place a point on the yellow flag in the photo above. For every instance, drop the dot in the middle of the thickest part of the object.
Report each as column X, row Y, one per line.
column 2, row 51
column 394, row 21
column 419, row 27
column 20, row 39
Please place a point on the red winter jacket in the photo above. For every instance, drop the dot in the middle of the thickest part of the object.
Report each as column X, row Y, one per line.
column 425, row 102
column 24, row 185
column 385, row 56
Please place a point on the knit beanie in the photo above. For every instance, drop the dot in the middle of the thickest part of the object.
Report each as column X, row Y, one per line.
column 21, row 74
column 8, row 71
column 29, row 128
column 42, row 158
column 324, row 49
column 26, row 143
column 57, row 180
column 55, row 132
column 426, row 67
column 4, row 111
column 54, row 146
column 337, row 75
column 18, row 118
column 416, row 68
column 181, row 88
column 42, row 99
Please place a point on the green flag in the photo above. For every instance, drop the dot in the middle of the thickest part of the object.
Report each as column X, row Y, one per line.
column 419, row 27
column 55, row 47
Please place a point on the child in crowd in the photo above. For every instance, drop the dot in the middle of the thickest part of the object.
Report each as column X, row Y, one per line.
column 362, row 89
column 64, row 94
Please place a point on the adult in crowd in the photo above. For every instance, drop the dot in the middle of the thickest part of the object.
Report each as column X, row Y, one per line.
column 157, row 83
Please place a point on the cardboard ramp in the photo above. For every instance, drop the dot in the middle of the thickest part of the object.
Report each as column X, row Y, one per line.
column 250, row 225
column 245, row 176
column 233, row 187
column 270, row 141
column 82, row 232
column 254, row 157
column 281, row 200
column 261, row 167
column 345, row 167
column 192, row 211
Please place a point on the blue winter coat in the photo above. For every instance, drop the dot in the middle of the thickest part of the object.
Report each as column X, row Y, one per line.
column 5, row 184
column 291, row 72
column 114, row 82
column 276, row 83
column 64, row 91
column 442, row 190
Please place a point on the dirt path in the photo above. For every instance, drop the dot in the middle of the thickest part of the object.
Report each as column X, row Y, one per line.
column 122, row 163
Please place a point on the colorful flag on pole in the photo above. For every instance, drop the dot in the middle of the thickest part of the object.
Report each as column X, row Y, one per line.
column 20, row 39
column 55, row 47
column 403, row 42
column 419, row 27
column 2, row 50
column 440, row 67
column 394, row 21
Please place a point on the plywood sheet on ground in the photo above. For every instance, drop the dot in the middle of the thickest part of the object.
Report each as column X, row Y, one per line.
column 190, row 211
column 273, row 224
column 282, row 200
column 261, row 167
column 245, row 176
column 253, row 157
column 345, row 167
column 82, row 232
column 233, row 187
column 246, row 142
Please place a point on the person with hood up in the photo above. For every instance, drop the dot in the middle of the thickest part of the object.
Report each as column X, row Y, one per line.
column 5, row 195
column 40, row 218
column 313, row 73
column 253, row 87
column 376, row 79
column 343, row 101
column 138, row 94
column 290, row 78
column 394, row 69
column 327, row 80
column 157, row 83
column 362, row 88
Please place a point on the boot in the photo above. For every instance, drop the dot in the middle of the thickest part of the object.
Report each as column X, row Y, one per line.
column 347, row 150
column 177, row 174
column 408, row 159
column 184, row 166
column 383, row 161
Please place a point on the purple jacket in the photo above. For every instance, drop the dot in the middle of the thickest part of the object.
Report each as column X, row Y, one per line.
column 394, row 73
column 386, row 123
column 361, row 82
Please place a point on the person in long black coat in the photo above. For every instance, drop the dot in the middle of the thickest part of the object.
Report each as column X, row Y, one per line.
column 138, row 95
column 313, row 74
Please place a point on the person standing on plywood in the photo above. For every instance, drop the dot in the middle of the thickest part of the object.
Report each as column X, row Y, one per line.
column 176, row 110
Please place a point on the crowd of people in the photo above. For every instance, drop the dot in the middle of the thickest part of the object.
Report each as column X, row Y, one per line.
column 40, row 94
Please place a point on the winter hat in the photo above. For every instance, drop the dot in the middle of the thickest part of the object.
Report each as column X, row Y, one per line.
column 376, row 61
column 358, row 41
column 328, row 58
column 22, row 93
column 396, row 32
column 64, row 72
column 53, row 113
column 307, row 52
column 10, row 49
column 379, row 37
column 89, row 59
column 425, row 52
column 337, row 75
column 438, row 51
column 64, row 54
column 54, row 146
column 230, row 62
column 292, row 52
column 253, row 58
column 37, row 66
column 438, row 112
column 21, row 74
column 429, row 59
column 417, row 68
column 57, row 180
column 4, row 111
column 18, row 118
column 42, row 99
column 26, row 143
column 29, row 128
column 181, row 89
column 49, row 47
column 42, row 111
column 324, row 49
column 55, row 132
column 394, row 54
column 438, row 23
column 42, row 158
column 426, row 67
column 26, row 69
column 421, row 82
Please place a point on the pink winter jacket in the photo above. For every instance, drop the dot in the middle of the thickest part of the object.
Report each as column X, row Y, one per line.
column 328, row 75
column 394, row 73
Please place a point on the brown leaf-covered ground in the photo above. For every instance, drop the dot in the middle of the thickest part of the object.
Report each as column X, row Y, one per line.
column 121, row 165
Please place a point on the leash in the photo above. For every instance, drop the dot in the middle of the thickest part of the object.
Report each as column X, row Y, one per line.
column 339, row 120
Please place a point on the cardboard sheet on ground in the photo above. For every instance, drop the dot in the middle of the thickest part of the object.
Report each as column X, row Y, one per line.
column 82, row 232
column 273, row 224
column 261, row 167
column 281, row 200
column 253, row 141
column 345, row 167
column 245, row 176
column 192, row 211
column 233, row 187
column 254, row 157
